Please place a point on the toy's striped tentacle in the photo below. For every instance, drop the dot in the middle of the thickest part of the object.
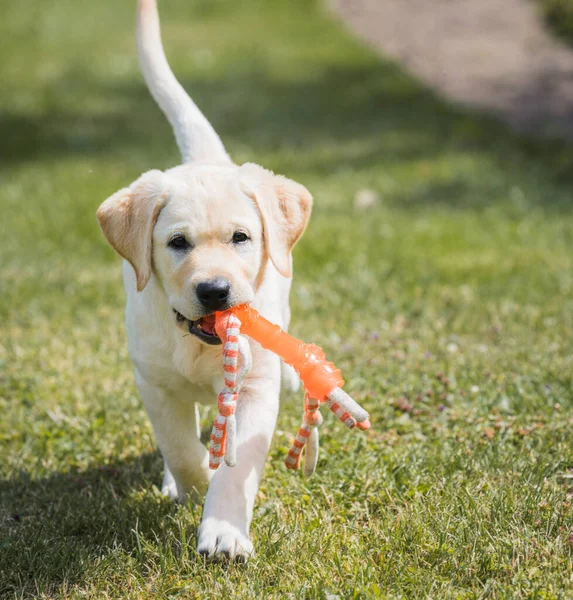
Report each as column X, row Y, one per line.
column 245, row 361
column 243, row 369
column 217, row 444
column 307, row 435
column 311, row 453
column 347, row 409
column 224, row 433
column 344, row 416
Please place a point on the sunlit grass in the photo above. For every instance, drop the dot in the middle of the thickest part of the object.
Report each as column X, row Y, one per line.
column 448, row 306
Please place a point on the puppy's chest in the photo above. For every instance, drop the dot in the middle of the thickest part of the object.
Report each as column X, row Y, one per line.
column 200, row 365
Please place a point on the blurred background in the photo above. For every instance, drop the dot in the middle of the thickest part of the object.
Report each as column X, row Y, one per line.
column 437, row 272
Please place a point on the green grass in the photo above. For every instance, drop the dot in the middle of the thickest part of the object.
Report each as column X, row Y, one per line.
column 455, row 292
column 559, row 16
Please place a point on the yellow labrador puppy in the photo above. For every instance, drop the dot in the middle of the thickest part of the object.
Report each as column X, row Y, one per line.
column 197, row 238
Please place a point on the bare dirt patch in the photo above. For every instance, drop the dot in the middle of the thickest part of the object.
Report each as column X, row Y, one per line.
column 492, row 55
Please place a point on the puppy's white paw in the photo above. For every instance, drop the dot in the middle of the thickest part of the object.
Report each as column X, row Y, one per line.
column 169, row 487
column 290, row 379
column 220, row 539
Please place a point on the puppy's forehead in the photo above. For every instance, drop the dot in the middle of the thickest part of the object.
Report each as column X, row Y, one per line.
column 208, row 198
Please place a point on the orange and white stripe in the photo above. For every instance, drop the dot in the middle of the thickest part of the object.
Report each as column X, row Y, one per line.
column 343, row 406
column 237, row 363
column 224, row 434
column 307, row 436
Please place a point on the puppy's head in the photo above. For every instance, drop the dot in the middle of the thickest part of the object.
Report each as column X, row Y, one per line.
column 206, row 233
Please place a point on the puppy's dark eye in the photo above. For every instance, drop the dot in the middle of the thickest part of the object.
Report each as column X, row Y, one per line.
column 178, row 242
column 240, row 237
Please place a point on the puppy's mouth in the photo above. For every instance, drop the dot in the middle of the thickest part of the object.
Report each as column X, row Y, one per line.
column 203, row 328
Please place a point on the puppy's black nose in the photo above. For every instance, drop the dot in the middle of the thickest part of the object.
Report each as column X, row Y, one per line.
column 214, row 294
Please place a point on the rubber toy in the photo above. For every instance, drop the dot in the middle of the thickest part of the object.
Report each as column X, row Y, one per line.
column 321, row 380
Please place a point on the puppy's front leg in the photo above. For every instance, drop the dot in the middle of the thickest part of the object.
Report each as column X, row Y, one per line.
column 229, row 503
column 175, row 421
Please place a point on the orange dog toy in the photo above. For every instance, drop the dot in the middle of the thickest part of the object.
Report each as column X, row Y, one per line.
column 321, row 380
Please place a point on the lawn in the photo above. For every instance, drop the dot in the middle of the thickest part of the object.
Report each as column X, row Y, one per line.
column 559, row 17
column 448, row 305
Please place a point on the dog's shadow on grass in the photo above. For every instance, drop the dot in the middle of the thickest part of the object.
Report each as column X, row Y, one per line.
column 53, row 527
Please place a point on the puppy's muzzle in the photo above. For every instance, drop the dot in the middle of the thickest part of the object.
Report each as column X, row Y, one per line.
column 214, row 294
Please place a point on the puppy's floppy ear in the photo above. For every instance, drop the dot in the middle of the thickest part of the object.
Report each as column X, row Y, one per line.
column 284, row 206
column 127, row 219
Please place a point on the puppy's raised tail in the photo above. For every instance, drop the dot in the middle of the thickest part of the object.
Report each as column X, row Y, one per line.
column 196, row 138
